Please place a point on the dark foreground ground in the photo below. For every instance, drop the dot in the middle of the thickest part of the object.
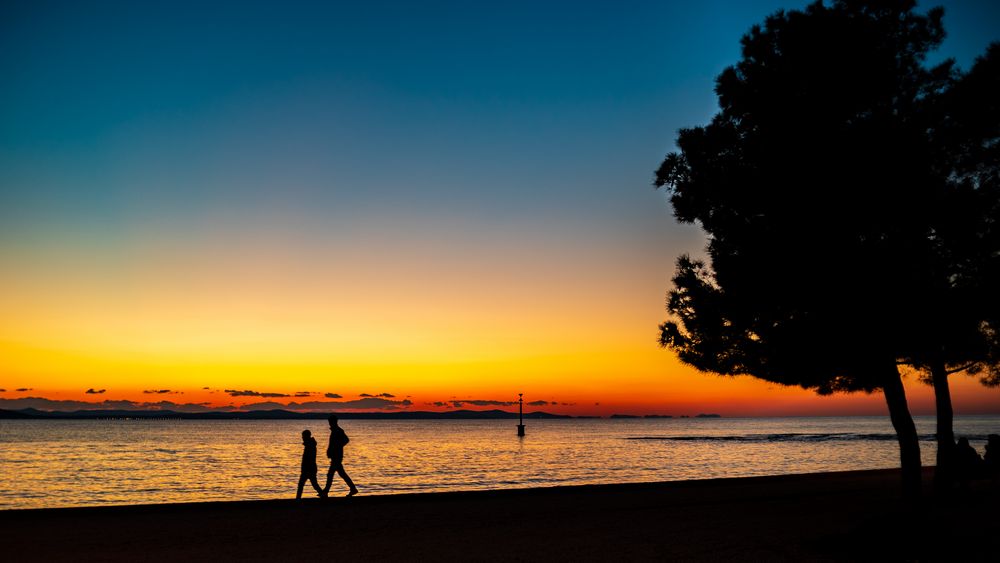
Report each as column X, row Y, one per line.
column 855, row 515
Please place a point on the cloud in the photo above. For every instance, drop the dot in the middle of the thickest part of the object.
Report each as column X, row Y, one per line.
column 366, row 403
column 160, row 392
column 383, row 395
column 122, row 404
column 183, row 407
column 249, row 393
column 204, row 388
column 23, row 389
column 41, row 403
column 266, row 406
column 332, row 396
column 44, row 404
column 3, row 390
column 93, row 391
column 459, row 403
column 303, row 393
column 482, row 403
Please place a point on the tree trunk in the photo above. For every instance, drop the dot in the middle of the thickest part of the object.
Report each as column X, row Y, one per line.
column 944, row 472
column 906, row 432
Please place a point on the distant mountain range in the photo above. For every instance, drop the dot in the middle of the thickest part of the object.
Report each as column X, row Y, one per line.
column 279, row 414
column 276, row 414
column 666, row 416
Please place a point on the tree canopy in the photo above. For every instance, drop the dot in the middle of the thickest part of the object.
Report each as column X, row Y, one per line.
column 849, row 193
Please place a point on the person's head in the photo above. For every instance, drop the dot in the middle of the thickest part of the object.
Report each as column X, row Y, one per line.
column 333, row 420
column 306, row 435
column 993, row 443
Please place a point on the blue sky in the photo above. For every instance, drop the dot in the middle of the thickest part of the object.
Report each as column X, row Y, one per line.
column 204, row 167
column 495, row 112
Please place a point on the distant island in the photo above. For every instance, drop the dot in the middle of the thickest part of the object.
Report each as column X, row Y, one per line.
column 280, row 414
column 276, row 414
column 665, row 416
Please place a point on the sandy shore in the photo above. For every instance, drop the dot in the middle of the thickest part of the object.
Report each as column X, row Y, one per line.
column 853, row 515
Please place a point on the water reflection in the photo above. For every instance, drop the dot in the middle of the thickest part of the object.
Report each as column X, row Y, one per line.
column 64, row 463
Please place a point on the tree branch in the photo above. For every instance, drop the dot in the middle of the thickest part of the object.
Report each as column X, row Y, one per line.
column 963, row 368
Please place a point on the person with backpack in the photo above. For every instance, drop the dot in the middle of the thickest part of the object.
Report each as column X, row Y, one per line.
column 335, row 451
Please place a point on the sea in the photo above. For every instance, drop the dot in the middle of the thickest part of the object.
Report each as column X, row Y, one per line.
column 62, row 463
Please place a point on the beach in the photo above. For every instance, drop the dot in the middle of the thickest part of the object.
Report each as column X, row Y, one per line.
column 845, row 515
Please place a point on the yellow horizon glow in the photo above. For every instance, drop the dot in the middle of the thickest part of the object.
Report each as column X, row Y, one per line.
column 428, row 318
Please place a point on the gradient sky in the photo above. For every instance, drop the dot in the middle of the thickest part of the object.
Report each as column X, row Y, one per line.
column 435, row 201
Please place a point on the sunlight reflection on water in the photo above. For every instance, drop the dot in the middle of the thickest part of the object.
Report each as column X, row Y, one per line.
column 91, row 462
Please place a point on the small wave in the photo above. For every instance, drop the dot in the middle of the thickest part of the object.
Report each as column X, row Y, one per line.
column 164, row 451
column 831, row 437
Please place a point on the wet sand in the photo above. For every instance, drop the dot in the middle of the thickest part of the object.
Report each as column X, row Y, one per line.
column 851, row 515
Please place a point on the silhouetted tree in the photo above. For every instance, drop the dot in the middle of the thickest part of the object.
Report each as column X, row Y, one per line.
column 960, row 329
column 825, row 193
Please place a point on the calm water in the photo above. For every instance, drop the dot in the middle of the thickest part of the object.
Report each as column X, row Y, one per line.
column 91, row 462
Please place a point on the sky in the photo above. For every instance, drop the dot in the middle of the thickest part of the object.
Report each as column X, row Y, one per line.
column 368, row 205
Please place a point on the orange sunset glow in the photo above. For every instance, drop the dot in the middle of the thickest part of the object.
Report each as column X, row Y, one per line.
column 429, row 321
column 323, row 211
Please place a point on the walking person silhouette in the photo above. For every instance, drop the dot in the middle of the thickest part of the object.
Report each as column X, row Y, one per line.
column 335, row 451
column 309, row 468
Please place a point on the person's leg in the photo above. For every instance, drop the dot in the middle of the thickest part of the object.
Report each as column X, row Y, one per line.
column 329, row 477
column 315, row 484
column 347, row 479
column 302, row 482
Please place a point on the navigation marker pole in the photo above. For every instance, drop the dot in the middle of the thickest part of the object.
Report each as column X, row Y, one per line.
column 520, row 414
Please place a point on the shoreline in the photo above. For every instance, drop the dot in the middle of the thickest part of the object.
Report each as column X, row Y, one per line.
column 843, row 515
column 470, row 494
